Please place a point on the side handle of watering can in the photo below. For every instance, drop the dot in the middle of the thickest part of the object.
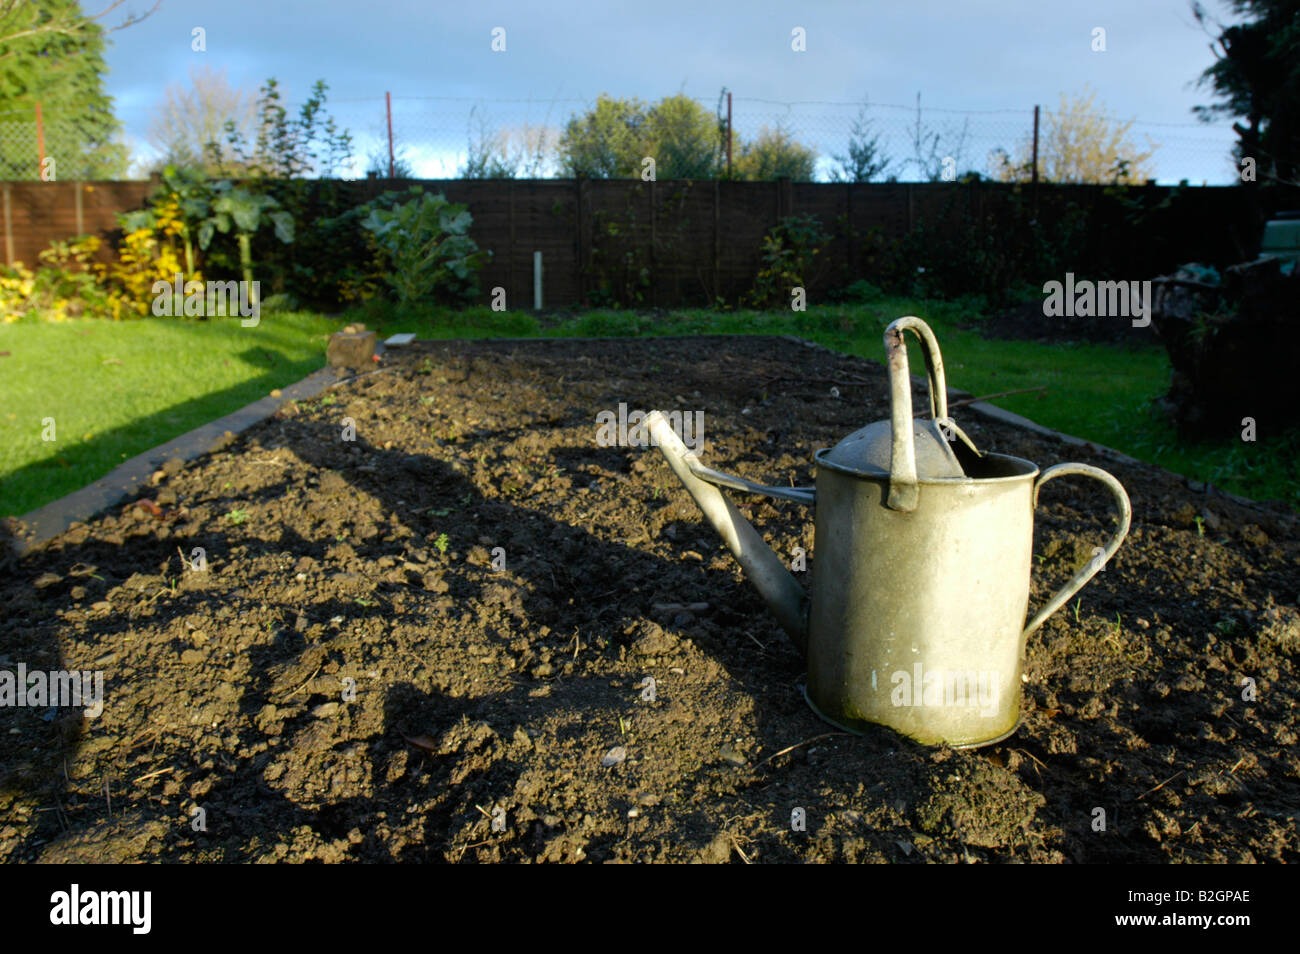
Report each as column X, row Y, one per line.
column 904, row 492
column 1096, row 564
column 803, row 495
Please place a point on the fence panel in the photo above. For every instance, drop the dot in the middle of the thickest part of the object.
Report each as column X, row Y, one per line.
column 682, row 242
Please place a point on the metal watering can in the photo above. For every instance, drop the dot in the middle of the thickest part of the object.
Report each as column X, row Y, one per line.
column 924, row 550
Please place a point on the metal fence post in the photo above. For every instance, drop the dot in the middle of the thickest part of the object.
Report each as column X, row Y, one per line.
column 1035, row 161
column 40, row 143
column 388, row 109
column 728, row 134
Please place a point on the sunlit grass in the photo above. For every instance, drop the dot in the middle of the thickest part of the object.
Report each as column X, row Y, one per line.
column 115, row 389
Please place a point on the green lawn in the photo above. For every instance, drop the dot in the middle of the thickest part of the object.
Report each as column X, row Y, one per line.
column 116, row 389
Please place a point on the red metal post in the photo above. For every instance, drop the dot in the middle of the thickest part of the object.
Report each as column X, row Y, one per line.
column 388, row 108
column 40, row 143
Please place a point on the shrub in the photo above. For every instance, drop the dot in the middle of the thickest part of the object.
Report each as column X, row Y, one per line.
column 146, row 256
column 64, row 286
column 429, row 254
column 789, row 253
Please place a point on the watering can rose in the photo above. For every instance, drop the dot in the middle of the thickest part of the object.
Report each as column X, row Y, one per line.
column 626, row 429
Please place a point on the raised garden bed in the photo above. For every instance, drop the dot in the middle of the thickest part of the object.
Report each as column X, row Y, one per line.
column 485, row 693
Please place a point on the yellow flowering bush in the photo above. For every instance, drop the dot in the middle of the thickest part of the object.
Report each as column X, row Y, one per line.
column 69, row 284
column 147, row 255
column 64, row 286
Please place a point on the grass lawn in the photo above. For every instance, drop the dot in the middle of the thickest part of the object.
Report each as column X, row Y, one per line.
column 117, row 389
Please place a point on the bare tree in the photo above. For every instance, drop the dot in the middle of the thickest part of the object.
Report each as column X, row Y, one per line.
column 65, row 21
column 930, row 152
column 189, row 123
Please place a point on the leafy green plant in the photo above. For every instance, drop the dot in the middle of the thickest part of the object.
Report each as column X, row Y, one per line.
column 428, row 248
column 237, row 516
column 192, row 193
column 64, row 286
column 237, row 209
column 619, row 263
column 787, row 258
column 441, row 543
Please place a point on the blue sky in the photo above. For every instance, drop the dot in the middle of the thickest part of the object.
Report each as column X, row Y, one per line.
column 988, row 63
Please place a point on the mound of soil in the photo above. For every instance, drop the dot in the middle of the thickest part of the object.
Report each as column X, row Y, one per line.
column 432, row 643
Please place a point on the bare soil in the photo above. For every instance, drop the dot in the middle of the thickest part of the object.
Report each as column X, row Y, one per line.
column 351, row 677
column 1025, row 322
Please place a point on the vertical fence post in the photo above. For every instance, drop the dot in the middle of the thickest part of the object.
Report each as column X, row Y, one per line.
column 717, row 241
column 848, row 228
column 510, row 249
column 1035, row 162
column 81, row 223
column 40, row 143
column 654, row 259
column 728, row 134
column 9, row 228
column 577, row 219
column 388, row 108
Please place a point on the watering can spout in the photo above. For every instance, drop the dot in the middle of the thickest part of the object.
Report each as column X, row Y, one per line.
column 778, row 587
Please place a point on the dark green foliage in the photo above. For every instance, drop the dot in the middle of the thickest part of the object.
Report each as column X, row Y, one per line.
column 866, row 160
column 61, row 66
column 789, row 259
column 425, row 249
column 1256, row 78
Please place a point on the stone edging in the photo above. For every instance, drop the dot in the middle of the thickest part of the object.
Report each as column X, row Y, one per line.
column 49, row 521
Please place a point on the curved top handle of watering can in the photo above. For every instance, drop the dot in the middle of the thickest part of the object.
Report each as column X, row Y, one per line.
column 904, row 492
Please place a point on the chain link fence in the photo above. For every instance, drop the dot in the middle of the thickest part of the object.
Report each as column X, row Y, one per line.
column 52, row 148
column 436, row 137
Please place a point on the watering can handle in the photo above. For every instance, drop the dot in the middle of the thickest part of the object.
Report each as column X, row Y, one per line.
column 1097, row 563
column 904, row 492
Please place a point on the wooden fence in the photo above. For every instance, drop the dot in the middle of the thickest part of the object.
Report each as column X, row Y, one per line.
column 677, row 242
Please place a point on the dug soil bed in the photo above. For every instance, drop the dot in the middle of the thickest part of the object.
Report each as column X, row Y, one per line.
column 431, row 643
